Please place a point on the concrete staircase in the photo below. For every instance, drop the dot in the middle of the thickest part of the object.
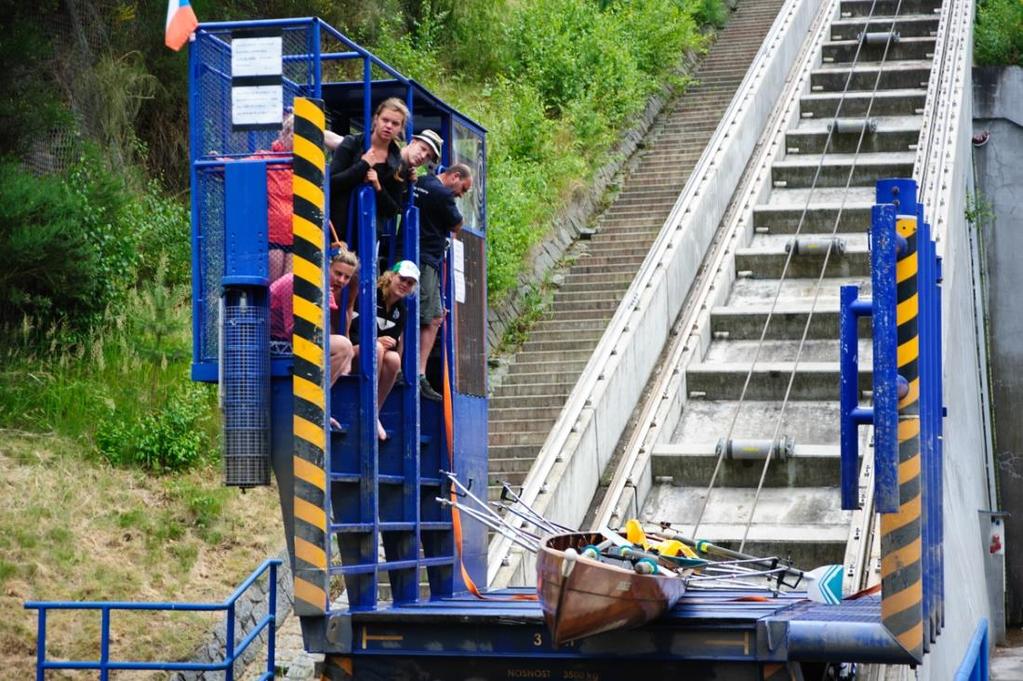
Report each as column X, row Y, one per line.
column 798, row 514
column 526, row 405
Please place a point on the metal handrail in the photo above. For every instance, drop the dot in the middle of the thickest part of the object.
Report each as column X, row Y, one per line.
column 104, row 664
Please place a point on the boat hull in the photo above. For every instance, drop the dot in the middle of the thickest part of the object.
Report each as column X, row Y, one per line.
column 582, row 597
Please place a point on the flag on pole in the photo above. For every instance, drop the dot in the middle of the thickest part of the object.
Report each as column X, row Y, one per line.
column 181, row 22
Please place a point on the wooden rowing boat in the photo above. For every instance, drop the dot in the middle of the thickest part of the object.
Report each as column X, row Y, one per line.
column 583, row 596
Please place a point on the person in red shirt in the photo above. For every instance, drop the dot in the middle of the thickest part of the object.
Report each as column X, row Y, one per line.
column 279, row 196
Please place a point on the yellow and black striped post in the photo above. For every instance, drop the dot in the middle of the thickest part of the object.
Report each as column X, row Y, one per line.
column 310, row 362
column 901, row 564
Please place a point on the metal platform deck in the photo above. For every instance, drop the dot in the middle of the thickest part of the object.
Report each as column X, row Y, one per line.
column 709, row 634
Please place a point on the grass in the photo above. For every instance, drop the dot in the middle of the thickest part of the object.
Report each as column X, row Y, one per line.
column 76, row 528
column 87, row 515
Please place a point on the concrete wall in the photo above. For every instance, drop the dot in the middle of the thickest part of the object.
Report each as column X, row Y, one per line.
column 966, row 444
column 998, row 108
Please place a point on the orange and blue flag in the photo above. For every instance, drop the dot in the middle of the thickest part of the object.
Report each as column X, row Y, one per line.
column 181, row 22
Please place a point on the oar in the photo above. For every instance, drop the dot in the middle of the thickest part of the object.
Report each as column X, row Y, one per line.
column 524, row 540
column 823, row 584
column 715, row 551
column 508, row 493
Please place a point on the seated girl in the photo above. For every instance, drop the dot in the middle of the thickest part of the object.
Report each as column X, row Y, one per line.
column 393, row 287
column 343, row 265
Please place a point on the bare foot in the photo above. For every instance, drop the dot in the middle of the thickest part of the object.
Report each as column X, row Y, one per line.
column 381, row 433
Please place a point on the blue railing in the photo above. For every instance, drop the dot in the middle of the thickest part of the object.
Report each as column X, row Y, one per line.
column 975, row 665
column 104, row 664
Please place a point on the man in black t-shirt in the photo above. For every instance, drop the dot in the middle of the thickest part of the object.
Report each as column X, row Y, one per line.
column 438, row 217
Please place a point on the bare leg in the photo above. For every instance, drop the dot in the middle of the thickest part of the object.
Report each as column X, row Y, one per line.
column 289, row 260
column 427, row 337
column 389, row 362
column 341, row 353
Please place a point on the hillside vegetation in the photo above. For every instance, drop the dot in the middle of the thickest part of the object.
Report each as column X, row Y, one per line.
column 108, row 453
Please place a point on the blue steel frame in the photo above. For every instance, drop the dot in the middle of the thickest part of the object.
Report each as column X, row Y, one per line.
column 897, row 197
column 104, row 664
column 381, row 491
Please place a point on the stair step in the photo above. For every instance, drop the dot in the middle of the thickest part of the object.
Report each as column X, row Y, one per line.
column 896, row 75
column 769, row 262
column 523, row 413
column 557, row 376
column 840, row 51
column 791, row 291
column 865, row 8
column 896, row 102
column 787, row 322
column 804, row 524
column 912, row 26
column 692, row 464
column 521, row 465
column 805, row 421
column 535, row 438
column 769, row 381
column 800, row 171
column 553, row 390
column 518, row 426
column 787, row 350
column 499, row 452
column 892, row 134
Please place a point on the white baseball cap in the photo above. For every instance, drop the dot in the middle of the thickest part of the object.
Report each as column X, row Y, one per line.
column 407, row 269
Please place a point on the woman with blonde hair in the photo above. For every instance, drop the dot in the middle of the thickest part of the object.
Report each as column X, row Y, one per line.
column 343, row 266
column 393, row 287
column 378, row 165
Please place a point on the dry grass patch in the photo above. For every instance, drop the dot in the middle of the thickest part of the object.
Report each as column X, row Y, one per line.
column 74, row 528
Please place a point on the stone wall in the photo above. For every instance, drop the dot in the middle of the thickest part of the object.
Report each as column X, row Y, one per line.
column 249, row 610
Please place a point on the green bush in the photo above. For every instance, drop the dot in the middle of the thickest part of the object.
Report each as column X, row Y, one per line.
column 161, row 225
column 998, row 36
column 173, row 438
column 68, row 253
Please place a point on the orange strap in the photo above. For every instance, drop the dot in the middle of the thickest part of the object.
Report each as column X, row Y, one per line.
column 870, row 590
column 456, row 517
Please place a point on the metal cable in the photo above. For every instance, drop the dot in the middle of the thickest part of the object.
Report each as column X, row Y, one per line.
column 820, row 279
column 785, row 268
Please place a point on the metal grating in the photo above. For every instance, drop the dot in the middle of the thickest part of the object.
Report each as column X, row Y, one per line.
column 471, row 328
column 210, row 244
column 213, row 90
column 213, row 140
column 246, row 394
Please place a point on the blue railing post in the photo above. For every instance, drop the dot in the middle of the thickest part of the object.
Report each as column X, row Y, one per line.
column 852, row 415
column 104, row 645
column 271, row 627
column 229, row 643
column 885, row 339
column 41, row 646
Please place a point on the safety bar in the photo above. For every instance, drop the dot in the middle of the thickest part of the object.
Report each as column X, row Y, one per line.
column 104, row 664
column 885, row 246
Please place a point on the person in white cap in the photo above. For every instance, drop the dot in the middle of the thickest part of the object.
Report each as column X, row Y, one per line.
column 393, row 287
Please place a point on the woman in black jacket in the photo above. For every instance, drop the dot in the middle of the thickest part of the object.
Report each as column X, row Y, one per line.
column 379, row 166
